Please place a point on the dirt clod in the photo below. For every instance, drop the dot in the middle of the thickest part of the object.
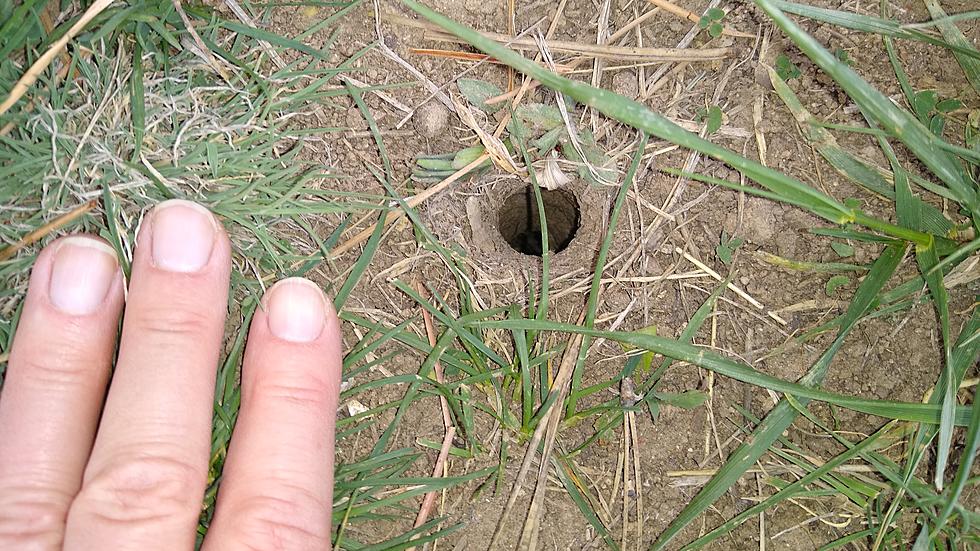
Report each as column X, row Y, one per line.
column 431, row 120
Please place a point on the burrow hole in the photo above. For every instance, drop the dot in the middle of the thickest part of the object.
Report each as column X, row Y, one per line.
column 520, row 225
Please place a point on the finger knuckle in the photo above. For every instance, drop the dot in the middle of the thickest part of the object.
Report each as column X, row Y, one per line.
column 143, row 488
column 31, row 517
column 63, row 363
column 307, row 393
column 172, row 323
column 274, row 522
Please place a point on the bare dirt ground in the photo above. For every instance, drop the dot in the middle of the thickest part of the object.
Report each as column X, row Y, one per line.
column 892, row 357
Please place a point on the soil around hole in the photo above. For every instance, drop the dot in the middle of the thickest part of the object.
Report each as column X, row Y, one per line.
column 520, row 225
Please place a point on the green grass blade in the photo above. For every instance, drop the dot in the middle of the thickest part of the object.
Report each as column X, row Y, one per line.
column 363, row 261
column 701, row 357
column 970, row 447
column 927, row 259
column 799, row 265
column 600, row 265
column 825, row 143
column 15, row 28
column 518, row 132
column 687, row 335
column 969, row 63
column 869, row 24
column 455, row 324
column 425, row 371
column 564, row 470
column 653, row 380
column 787, row 492
column 911, row 214
column 907, row 411
column 898, row 122
column 273, row 38
column 782, row 416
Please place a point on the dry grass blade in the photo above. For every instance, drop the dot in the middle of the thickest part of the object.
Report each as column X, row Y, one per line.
column 30, row 77
column 735, row 288
column 621, row 53
column 494, row 145
column 412, row 202
column 577, row 61
column 465, row 56
column 532, row 524
column 617, row 53
column 205, row 52
column 632, row 478
column 46, row 229
column 383, row 48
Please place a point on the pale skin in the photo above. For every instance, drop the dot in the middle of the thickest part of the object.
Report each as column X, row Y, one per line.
column 92, row 463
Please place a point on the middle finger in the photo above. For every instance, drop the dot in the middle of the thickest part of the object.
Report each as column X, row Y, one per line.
column 145, row 479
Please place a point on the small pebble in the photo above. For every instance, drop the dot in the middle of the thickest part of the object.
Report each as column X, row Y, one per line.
column 625, row 83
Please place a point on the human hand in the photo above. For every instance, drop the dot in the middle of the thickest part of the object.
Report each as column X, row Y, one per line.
column 133, row 475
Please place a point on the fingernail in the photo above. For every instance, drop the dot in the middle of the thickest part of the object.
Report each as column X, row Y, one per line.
column 296, row 310
column 81, row 274
column 183, row 236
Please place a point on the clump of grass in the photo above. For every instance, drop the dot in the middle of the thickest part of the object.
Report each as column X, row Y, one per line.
column 939, row 244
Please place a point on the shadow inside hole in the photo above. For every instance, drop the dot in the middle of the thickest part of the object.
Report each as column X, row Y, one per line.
column 520, row 225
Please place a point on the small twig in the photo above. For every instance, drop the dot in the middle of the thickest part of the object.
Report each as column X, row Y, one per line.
column 59, row 75
column 428, row 503
column 735, row 288
column 430, row 333
column 51, row 226
column 388, row 98
column 30, row 77
column 691, row 16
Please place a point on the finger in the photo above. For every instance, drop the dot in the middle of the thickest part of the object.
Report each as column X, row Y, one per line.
column 144, row 483
column 276, row 492
column 54, row 388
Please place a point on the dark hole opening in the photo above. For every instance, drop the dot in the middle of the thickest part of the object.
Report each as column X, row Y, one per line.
column 520, row 225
